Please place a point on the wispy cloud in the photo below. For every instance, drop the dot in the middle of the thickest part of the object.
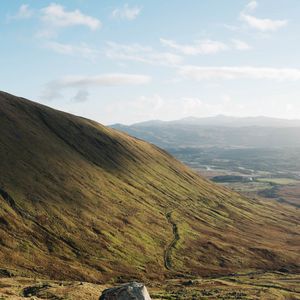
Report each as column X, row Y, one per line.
column 114, row 79
column 262, row 24
column 55, row 16
column 198, row 47
column 136, row 52
column 204, row 73
column 126, row 12
column 81, row 50
column 55, row 88
column 81, row 96
column 240, row 45
column 205, row 47
column 24, row 12
column 251, row 6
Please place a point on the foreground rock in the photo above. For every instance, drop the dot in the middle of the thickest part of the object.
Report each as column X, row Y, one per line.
column 132, row 291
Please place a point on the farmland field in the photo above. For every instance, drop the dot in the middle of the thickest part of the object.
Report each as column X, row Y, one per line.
column 272, row 174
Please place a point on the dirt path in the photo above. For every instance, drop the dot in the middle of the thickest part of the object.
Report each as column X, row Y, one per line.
column 176, row 237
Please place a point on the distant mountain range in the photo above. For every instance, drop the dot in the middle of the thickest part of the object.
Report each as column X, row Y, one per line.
column 218, row 131
column 227, row 121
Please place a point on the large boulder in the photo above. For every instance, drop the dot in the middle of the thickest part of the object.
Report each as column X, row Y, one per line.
column 128, row 291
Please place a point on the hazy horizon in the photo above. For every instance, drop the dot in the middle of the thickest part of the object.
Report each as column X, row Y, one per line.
column 212, row 117
column 113, row 63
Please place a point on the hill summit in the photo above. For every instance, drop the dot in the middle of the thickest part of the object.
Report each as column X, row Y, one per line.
column 82, row 201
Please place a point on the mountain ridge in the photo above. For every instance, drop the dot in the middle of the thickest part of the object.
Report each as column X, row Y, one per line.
column 223, row 120
column 214, row 132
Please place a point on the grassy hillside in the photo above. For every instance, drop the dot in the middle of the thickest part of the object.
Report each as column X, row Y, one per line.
column 81, row 201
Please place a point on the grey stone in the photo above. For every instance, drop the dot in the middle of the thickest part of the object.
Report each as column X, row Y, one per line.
column 128, row 291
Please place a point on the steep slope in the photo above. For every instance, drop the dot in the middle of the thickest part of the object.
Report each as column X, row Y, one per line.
column 79, row 200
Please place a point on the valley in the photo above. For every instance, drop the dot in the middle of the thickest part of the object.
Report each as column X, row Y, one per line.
column 256, row 172
column 256, row 156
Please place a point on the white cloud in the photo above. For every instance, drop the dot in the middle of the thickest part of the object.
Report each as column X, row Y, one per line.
column 56, row 16
column 240, row 45
column 81, row 50
column 248, row 72
column 24, row 12
column 136, row 52
column 126, row 12
column 251, row 6
column 55, row 88
column 198, row 47
column 114, row 79
column 205, row 46
column 263, row 24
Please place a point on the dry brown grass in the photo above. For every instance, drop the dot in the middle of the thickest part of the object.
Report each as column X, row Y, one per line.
column 267, row 286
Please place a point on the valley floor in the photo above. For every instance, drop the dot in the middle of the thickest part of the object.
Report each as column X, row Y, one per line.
column 249, row 286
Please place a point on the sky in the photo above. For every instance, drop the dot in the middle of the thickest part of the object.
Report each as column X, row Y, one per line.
column 131, row 61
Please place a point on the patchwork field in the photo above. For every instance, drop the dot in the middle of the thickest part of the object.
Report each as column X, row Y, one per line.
column 280, row 181
column 265, row 173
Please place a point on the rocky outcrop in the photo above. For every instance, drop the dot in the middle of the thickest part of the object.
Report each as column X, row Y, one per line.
column 132, row 291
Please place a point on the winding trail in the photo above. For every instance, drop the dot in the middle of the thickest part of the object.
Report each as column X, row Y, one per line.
column 176, row 237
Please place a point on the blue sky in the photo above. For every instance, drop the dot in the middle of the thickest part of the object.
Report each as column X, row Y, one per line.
column 129, row 61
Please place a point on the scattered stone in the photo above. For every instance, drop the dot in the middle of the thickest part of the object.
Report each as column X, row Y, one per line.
column 34, row 290
column 5, row 273
column 188, row 283
column 132, row 291
column 284, row 270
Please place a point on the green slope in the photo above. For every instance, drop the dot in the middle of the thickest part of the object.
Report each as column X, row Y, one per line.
column 79, row 200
